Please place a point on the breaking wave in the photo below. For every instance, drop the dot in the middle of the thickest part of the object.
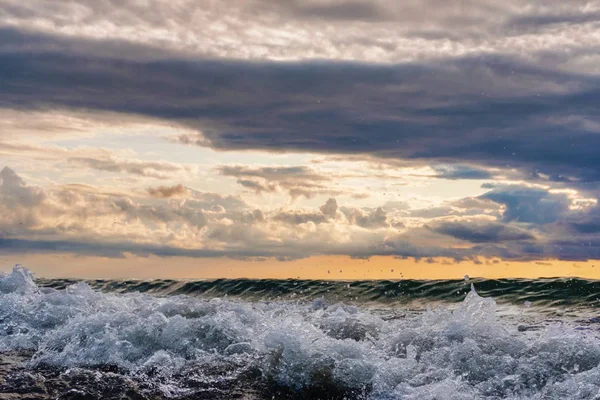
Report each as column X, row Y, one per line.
column 547, row 292
column 179, row 346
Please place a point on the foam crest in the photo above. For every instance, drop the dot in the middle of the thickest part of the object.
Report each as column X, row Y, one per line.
column 19, row 281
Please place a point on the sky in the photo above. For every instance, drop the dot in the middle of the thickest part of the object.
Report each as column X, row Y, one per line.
column 300, row 138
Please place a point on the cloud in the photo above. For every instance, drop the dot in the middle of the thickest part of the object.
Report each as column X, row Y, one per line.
column 553, row 17
column 171, row 215
column 15, row 193
column 80, row 159
column 296, row 180
column 470, row 89
column 44, row 124
column 335, row 10
column 213, row 201
column 330, row 208
column 461, row 172
column 272, row 173
column 82, row 212
column 586, row 227
column 481, row 111
column 480, row 203
column 112, row 249
column 258, row 186
column 167, row 191
column 90, row 220
column 530, row 205
column 372, row 31
column 482, row 231
column 376, row 218
column 299, row 217
column 149, row 169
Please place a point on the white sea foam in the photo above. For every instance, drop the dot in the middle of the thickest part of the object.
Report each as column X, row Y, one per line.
column 467, row 353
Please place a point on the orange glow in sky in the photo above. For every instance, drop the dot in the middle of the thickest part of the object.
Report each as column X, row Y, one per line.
column 323, row 268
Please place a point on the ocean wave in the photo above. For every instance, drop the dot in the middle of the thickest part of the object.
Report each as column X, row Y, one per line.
column 179, row 345
column 547, row 292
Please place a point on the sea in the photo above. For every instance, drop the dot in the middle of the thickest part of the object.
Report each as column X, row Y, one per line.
column 299, row 339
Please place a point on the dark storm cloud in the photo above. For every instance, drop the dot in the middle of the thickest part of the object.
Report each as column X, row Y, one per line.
column 566, row 250
column 461, row 172
column 399, row 247
column 586, row 227
column 491, row 110
column 530, row 205
column 482, row 231
column 121, row 249
column 115, row 250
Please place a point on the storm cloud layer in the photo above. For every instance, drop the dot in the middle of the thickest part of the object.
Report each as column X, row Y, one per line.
column 492, row 110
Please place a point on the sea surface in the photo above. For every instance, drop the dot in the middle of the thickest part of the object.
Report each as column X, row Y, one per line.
column 298, row 339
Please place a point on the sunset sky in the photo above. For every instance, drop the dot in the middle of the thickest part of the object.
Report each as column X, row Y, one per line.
column 300, row 138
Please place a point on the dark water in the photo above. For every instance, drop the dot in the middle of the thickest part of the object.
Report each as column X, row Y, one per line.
column 268, row 339
column 551, row 292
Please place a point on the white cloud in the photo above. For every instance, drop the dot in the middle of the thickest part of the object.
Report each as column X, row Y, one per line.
column 49, row 124
column 149, row 169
